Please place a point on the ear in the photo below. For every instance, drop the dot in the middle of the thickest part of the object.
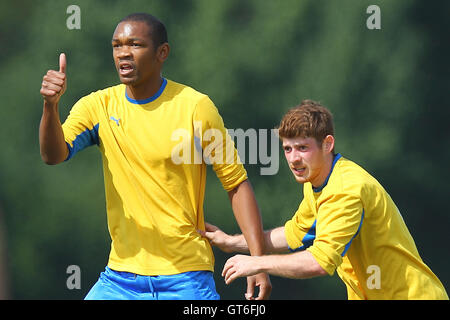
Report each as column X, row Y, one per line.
column 163, row 52
column 328, row 144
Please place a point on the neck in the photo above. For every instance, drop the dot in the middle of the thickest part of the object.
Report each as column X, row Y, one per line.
column 324, row 172
column 144, row 90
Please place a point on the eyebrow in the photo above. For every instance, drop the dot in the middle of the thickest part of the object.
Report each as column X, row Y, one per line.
column 128, row 39
column 295, row 145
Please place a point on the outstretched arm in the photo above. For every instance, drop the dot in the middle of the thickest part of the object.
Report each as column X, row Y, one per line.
column 298, row 265
column 51, row 137
column 274, row 240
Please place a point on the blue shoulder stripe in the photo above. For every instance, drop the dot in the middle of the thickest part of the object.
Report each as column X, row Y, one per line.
column 308, row 239
column 310, row 236
column 85, row 139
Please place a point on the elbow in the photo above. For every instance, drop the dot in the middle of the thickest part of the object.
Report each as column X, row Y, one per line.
column 316, row 270
column 50, row 160
column 54, row 156
column 319, row 271
column 312, row 271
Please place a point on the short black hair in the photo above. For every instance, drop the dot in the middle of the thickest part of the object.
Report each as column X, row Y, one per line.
column 157, row 28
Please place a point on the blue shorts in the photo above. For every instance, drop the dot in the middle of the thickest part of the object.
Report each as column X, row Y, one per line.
column 118, row 285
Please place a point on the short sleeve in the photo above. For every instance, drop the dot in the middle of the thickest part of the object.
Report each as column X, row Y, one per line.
column 339, row 220
column 81, row 128
column 217, row 146
column 299, row 231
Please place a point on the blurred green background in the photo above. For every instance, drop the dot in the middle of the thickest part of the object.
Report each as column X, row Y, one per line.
column 387, row 88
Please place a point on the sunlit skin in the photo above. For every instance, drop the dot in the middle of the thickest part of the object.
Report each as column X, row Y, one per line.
column 307, row 160
column 138, row 62
column 139, row 65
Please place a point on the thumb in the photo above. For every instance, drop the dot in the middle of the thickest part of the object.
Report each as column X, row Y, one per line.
column 62, row 63
column 201, row 232
column 210, row 227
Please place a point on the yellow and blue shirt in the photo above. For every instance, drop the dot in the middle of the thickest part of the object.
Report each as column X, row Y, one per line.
column 350, row 224
column 154, row 204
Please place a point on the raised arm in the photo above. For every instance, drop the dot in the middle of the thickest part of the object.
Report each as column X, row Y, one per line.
column 53, row 147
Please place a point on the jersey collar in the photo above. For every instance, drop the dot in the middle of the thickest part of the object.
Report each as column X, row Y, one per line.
column 152, row 98
column 336, row 158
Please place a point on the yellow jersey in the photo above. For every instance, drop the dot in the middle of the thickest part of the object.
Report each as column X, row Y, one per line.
column 350, row 224
column 154, row 201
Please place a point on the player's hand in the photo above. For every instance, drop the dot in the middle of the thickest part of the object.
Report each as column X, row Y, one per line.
column 262, row 281
column 240, row 266
column 54, row 82
column 217, row 237
column 248, row 266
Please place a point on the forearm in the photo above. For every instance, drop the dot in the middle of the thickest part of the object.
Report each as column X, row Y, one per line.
column 53, row 147
column 274, row 242
column 299, row 265
column 237, row 243
column 248, row 217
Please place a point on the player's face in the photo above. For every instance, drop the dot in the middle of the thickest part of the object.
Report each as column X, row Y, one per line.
column 308, row 161
column 134, row 54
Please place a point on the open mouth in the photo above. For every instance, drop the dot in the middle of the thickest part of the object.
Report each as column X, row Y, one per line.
column 299, row 171
column 125, row 68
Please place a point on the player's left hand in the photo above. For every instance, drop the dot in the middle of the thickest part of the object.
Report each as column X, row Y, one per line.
column 242, row 266
column 262, row 281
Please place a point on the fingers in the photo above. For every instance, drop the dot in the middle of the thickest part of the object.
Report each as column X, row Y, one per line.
column 47, row 92
column 229, row 272
column 62, row 63
column 202, row 233
column 241, row 266
column 209, row 232
column 205, row 234
column 265, row 286
column 237, row 266
column 52, row 74
column 226, row 267
column 54, row 82
column 210, row 227
column 264, row 293
column 251, row 282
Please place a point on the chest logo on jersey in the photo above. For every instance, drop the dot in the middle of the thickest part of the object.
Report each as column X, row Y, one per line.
column 115, row 120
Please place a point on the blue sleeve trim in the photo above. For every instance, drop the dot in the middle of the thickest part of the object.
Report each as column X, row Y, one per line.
column 350, row 242
column 308, row 239
column 83, row 140
column 310, row 236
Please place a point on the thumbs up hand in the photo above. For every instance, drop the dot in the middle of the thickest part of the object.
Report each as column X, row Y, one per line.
column 54, row 82
column 62, row 63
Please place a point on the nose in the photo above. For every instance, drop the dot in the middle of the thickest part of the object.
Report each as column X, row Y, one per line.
column 294, row 157
column 123, row 52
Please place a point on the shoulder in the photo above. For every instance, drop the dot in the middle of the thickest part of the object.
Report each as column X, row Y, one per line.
column 350, row 178
column 181, row 91
column 102, row 96
column 194, row 102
